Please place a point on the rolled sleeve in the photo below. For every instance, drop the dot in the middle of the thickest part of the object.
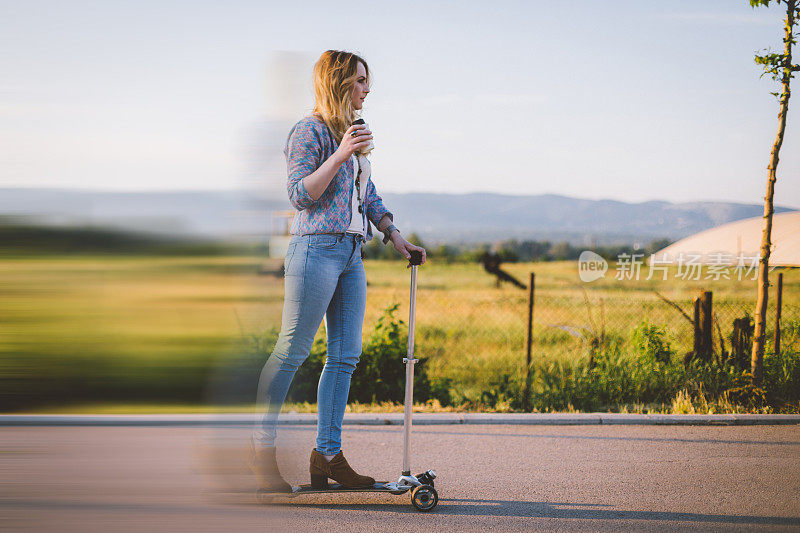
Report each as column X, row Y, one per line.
column 375, row 208
column 303, row 156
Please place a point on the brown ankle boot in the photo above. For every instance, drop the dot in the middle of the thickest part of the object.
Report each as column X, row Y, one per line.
column 337, row 469
column 265, row 466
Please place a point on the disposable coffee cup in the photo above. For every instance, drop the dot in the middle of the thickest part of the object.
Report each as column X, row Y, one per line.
column 371, row 145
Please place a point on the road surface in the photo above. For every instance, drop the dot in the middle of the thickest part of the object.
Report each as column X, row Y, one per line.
column 504, row 478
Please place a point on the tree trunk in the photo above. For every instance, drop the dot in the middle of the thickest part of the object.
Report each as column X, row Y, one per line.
column 757, row 354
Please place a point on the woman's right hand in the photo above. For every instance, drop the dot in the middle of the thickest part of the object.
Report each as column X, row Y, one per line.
column 351, row 144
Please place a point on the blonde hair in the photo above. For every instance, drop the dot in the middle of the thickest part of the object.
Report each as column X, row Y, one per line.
column 335, row 75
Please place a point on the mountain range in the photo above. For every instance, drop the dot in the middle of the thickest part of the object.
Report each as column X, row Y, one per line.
column 436, row 218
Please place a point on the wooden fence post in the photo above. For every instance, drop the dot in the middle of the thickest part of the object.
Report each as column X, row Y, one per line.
column 706, row 325
column 703, row 322
column 778, row 314
column 741, row 342
column 528, row 378
column 696, row 346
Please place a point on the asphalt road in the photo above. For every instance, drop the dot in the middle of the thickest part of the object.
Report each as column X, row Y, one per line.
column 506, row 478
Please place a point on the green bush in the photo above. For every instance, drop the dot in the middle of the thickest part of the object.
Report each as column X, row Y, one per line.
column 380, row 374
column 652, row 375
column 782, row 371
column 649, row 341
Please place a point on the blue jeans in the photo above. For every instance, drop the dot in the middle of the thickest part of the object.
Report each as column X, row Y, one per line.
column 324, row 279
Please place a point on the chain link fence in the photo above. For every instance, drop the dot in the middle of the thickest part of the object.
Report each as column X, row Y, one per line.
column 475, row 334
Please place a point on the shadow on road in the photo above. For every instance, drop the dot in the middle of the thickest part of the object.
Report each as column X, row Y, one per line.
column 579, row 511
column 447, row 507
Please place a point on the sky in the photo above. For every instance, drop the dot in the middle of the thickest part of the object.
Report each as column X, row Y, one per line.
column 624, row 100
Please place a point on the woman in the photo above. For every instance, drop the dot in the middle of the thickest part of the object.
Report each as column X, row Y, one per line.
column 329, row 184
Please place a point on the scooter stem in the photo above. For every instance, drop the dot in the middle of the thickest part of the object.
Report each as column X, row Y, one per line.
column 409, row 361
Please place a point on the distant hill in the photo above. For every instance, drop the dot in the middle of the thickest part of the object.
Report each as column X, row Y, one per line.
column 484, row 216
column 436, row 218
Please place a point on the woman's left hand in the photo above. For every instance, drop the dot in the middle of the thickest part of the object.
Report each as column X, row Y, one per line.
column 405, row 248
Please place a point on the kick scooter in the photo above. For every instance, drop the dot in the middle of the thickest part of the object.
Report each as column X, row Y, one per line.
column 423, row 495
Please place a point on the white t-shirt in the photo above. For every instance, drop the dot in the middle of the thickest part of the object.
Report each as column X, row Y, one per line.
column 357, row 220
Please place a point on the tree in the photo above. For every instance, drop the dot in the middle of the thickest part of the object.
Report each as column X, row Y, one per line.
column 780, row 67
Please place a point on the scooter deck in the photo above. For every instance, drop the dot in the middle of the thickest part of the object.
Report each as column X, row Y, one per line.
column 380, row 486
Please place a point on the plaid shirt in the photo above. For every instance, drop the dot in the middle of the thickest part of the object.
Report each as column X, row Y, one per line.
column 309, row 144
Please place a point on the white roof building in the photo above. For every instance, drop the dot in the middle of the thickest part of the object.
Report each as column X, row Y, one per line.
column 738, row 242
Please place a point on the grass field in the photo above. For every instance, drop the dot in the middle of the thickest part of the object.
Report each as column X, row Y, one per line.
column 128, row 329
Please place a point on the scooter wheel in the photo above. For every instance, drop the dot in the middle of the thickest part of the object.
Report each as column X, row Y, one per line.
column 424, row 498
